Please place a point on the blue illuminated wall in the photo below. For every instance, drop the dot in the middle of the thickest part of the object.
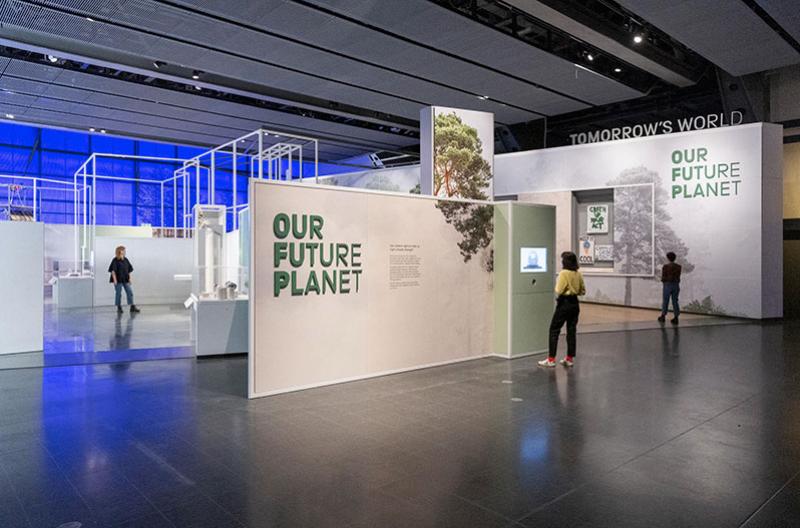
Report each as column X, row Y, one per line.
column 57, row 154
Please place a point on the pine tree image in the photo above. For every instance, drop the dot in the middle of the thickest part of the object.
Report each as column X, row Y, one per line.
column 461, row 172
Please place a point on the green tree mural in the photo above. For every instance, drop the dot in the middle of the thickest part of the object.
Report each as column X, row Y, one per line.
column 632, row 226
column 460, row 171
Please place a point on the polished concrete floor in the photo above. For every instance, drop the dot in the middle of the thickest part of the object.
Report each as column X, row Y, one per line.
column 675, row 428
column 81, row 336
column 606, row 318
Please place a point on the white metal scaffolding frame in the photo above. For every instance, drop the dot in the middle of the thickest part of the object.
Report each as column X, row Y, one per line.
column 257, row 154
column 39, row 187
column 85, row 203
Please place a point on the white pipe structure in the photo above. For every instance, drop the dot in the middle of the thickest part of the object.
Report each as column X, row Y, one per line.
column 38, row 187
column 278, row 150
column 86, row 199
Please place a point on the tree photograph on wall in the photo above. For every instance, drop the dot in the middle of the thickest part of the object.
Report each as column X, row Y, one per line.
column 640, row 210
column 461, row 171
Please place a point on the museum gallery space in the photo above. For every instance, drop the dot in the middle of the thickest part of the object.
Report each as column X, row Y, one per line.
column 302, row 263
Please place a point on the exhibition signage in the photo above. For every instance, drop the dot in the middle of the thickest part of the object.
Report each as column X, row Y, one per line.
column 597, row 219
column 347, row 284
column 314, row 265
column 668, row 126
column 693, row 176
column 714, row 197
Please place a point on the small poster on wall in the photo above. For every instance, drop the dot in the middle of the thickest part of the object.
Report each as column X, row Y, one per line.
column 586, row 250
column 604, row 253
column 597, row 218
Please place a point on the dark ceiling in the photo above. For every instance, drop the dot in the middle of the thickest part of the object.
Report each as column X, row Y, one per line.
column 355, row 73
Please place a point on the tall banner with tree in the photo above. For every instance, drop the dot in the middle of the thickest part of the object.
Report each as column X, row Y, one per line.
column 458, row 164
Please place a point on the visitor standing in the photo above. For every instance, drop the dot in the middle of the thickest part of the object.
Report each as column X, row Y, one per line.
column 671, row 280
column 120, row 270
column 569, row 286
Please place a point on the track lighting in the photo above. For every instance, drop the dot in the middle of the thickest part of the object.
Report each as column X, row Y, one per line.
column 637, row 39
column 52, row 58
column 196, row 75
column 159, row 64
column 9, row 116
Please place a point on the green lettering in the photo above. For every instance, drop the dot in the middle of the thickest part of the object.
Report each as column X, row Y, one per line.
column 341, row 255
column 357, row 274
column 326, row 263
column 295, row 290
column 281, row 280
column 344, row 281
column 316, row 226
column 312, row 285
column 328, row 281
column 280, row 253
column 701, row 154
column 296, row 260
column 676, row 173
column 735, row 167
column 355, row 255
column 311, row 247
column 299, row 233
column 280, row 225
column 676, row 190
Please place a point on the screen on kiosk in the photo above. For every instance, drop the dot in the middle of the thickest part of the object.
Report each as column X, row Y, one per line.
column 532, row 259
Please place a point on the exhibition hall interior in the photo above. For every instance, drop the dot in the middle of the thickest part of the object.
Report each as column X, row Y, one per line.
column 399, row 263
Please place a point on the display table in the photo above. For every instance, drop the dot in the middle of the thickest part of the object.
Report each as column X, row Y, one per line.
column 220, row 326
column 74, row 292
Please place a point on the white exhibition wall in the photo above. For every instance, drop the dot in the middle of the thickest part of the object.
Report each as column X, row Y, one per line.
column 155, row 261
column 22, row 288
column 411, row 297
column 725, row 228
column 396, row 179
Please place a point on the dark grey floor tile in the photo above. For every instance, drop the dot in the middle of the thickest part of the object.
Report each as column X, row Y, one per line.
column 60, row 512
column 782, row 510
column 154, row 520
column 200, row 512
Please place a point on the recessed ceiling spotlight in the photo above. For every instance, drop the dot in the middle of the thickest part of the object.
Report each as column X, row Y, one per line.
column 102, row 130
column 197, row 87
column 90, row 19
column 52, row 58
column 91, row 129
column 483, row 97
column 9, row 116
column 590, row 56
column 196, row 75
column 159, row 64
column 617, row 70
column 637, row 39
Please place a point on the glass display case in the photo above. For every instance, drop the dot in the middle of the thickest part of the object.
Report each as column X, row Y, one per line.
column 209, row 250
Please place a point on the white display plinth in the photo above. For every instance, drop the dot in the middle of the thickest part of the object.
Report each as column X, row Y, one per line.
column 74, row 292
column 220, row 326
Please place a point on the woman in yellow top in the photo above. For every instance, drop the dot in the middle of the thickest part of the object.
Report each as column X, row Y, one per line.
column 568, row 287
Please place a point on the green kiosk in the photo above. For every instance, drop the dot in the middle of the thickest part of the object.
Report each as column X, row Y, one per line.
column 524, row 277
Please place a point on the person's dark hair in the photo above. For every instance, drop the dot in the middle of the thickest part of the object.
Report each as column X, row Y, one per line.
column 671, row 256
column 569, row 261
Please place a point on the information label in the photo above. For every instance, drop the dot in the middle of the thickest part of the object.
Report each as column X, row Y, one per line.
column 405, row 266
